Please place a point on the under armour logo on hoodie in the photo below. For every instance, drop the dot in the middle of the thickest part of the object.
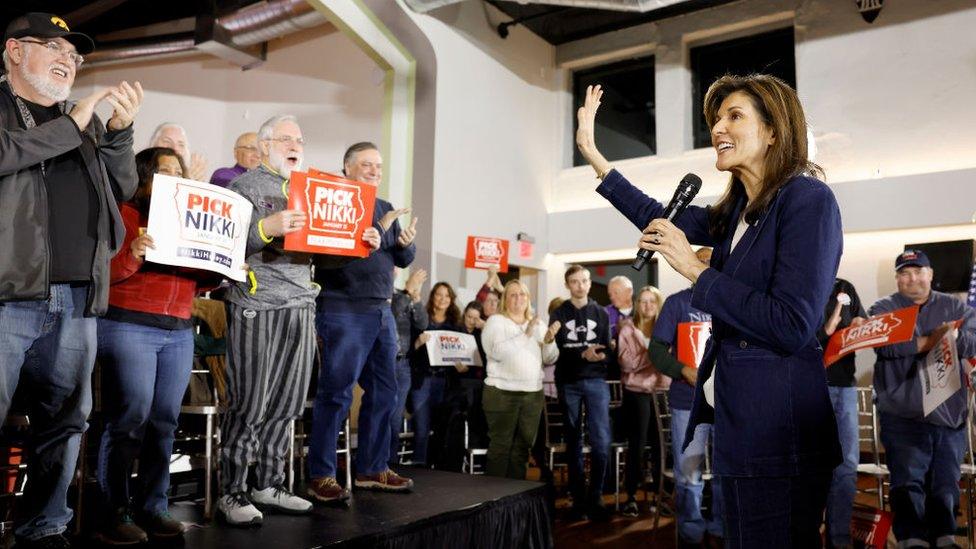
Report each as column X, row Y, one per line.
column 590, row 330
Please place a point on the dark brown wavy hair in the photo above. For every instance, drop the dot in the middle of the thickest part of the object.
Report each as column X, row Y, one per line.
column 147, row 162
column 453, row 313
column 779, row 108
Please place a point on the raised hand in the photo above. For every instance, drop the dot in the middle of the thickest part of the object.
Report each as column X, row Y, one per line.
column 198, row 167
column 407, row 235
column 585, row 141
column 414, row 282
column 551, row 332
column 126, row 100
column 389, row 217
column 82, row 112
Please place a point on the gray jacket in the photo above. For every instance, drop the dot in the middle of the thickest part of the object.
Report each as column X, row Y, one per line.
column 897, row 381
column 24, row 224
column 278, row 279
column 411, row 319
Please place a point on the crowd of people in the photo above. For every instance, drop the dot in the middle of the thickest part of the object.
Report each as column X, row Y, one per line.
column 75, row 284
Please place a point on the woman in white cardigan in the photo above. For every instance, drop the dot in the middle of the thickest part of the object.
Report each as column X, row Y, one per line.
column 516, row 344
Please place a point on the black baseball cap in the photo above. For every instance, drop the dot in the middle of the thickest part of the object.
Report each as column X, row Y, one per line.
column 912, row 258
column 47, row 25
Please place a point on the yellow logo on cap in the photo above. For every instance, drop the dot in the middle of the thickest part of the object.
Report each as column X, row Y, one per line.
column 60, row 22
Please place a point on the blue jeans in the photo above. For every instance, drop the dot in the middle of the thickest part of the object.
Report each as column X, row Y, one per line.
column 688, row 480
column 424, row 400
column 596, row 396
column 145, row 371
column 924, row 461
column 356, row 347
column 840, row 499
column 763, row 512
column 396, row 419
column 51, row 346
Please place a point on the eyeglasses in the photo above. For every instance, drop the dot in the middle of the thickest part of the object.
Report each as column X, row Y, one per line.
column 58, row 50
column 248, row 148
column 288, row 140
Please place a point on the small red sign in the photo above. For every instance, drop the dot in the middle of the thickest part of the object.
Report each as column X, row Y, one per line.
column 525, row 249
column 877, row 331
column 484, row 252
column 338, row 211
column 869, row 527
column 692, row 337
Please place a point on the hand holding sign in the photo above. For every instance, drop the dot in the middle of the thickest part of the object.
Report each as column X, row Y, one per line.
column 407, row 235
column 372, row 238
column 926, row 343
column 140, row 244
column 283, row 222
column 422, row 340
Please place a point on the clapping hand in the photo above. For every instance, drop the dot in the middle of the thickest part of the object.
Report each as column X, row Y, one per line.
column 593, row 354
column 551, row 332
column 126, row 100
column 407, row 235
column 414, row 282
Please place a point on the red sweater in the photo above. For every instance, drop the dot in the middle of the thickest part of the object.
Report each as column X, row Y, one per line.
column 157, row 289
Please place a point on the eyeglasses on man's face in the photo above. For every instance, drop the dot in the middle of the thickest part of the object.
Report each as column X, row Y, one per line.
column 57, row 50
column 288, row 140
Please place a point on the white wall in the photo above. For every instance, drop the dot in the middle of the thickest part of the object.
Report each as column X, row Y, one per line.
column 318, row 75
column 497, row 129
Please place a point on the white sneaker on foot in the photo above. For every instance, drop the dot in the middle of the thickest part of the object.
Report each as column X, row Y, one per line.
column 238, row 511
column 278, row 499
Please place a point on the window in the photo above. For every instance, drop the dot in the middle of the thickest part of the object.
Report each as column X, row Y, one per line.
column 601, row 273
column 625, row 123
column 768, row 53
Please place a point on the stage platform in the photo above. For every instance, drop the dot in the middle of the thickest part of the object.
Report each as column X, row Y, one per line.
column 449, row 510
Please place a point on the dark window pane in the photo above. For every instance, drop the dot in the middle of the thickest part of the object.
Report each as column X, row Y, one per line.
column 625, row 123
column 767, row 53
column 601, row 273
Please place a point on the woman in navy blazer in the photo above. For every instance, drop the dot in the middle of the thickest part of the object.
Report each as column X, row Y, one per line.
column 777, row 239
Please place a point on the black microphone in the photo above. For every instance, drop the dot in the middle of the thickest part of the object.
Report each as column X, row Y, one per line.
column 683, row 195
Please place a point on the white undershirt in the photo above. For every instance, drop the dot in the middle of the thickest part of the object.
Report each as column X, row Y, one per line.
column 709, row 386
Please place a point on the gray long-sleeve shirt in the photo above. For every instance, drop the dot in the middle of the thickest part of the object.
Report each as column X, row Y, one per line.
column 897, row 382
column 278, row 279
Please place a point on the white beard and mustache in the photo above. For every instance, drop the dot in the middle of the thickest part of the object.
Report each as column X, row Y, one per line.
column 279, row 163
column 43, row 84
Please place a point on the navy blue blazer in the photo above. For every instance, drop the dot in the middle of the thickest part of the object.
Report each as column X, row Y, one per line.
column 773, row 415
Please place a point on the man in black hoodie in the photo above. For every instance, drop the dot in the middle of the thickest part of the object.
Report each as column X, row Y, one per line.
column 581, row 373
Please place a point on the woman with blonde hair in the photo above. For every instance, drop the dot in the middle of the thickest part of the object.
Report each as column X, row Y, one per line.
column 639, row 379
column 517, row 344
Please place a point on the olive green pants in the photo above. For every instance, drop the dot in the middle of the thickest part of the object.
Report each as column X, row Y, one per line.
column 513, row 420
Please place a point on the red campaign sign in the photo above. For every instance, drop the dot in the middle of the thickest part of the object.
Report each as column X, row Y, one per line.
column 870, row 527
column 338, row 211
column 484, row 252
column 692, row 337
column 877, row 331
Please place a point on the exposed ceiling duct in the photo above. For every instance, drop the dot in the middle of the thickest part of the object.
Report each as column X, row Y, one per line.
column 636, row 6
column 232, row 37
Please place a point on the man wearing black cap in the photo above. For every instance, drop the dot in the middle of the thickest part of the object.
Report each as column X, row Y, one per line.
column 923, row 452
column 61, row 174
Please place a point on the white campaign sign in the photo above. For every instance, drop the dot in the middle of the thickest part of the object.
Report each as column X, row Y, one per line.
column 198, row 225
column 940, row 373
column 446, row 348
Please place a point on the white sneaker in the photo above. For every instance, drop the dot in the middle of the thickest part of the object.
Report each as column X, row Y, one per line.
column 278, row 499
column 238, row 511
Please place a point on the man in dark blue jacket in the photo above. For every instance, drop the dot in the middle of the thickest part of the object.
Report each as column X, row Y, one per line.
column 581, row 373
column 923, row 452
column 358, row 331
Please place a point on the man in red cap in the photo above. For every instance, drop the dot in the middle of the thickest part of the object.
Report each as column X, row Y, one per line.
column 61, row 175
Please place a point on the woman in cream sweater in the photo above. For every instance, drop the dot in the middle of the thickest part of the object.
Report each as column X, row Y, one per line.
column 516, row 344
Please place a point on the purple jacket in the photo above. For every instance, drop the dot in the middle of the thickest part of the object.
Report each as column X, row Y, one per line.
column 223, row 176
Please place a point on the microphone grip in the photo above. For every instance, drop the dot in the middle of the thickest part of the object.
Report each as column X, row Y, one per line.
column 643, row 256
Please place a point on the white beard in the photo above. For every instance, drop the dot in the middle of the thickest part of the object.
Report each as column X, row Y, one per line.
column 279, row 163
column 43, row 84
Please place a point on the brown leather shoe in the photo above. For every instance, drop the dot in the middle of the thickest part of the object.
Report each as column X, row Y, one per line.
column 387, row 481
column 327, row 489
column 120, row 529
